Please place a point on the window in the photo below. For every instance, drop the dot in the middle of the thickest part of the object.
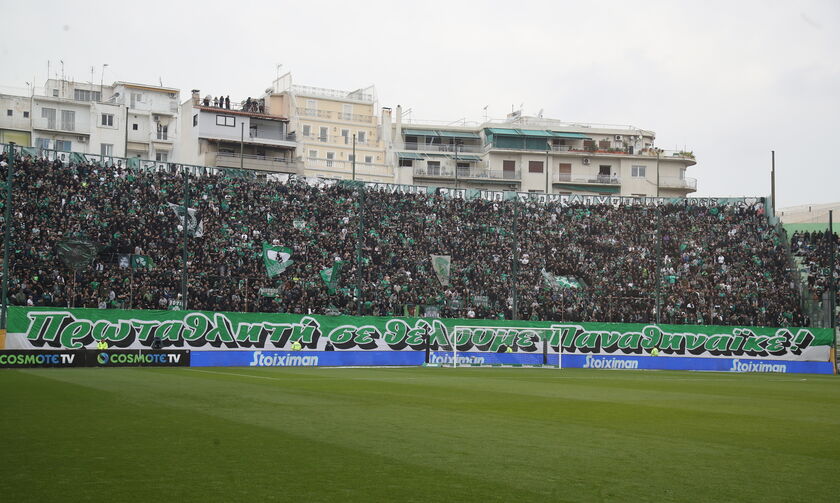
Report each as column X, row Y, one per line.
column 535, row 166
column 322, row 134
column 136, row 97
column 49, row 114
column 682, row 173
column 106, row 149
column 307, row 130
column 565, row 172
column 346, row 134
column 162, row 132
column 63, row 145
column 85, row 95
column 107, row 119
column 195, row 120
column 68, row 120
column 347, row 112
column 225, row 120
column 43, row 143
column 311, row 107
column 604, row 169
column 9, row 113
column 361, row 136
column 406, row 162
column 368, row 159
column 638, row 171
column 330, row 157
column 135, row 127
column 26, row 114
column 433, row 167
column 55, row 93
column 161, row 156
column 313, row 154
column 351, row 158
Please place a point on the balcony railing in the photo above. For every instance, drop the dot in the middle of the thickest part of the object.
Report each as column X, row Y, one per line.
column 258, row 162
column 426, row 147
column 367, row 119
column 593, row 179
column 678, row 183
column 312, row 112
column 476, row 173
column 367, row 168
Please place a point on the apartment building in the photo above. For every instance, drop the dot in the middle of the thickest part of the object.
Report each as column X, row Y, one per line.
column 534, row 154
column 151, row 118
column 245, row 135
column 330, row 125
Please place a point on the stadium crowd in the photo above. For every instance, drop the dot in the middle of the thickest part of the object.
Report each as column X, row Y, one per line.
column 719, row 264
column 814, row 248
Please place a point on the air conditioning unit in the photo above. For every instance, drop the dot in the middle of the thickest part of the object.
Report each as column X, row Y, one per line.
column 83, row 139
column 156, row 117
column 586, row 161
column 618, row 137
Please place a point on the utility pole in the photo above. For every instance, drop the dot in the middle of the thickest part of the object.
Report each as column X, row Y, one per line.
column 457, row 144
column 242, row 146
column 547, row 164
column 7, row 234
column 515, row 268
column 354, row 156
column 657, row 179
column 186, row 238
column 773, row 180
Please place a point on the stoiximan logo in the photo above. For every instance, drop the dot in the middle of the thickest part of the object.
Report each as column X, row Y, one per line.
column 282, row 360
column 594, row 362
column 102, row 358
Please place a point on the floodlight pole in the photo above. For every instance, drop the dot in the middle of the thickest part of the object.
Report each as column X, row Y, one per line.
column 7, row 234
column 547, row 164
column 359, row 239
column 354, row 156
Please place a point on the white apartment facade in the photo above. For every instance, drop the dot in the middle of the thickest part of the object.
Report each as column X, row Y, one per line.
column 236, row 137
column 533, row 154
column 331, row 125
column 151, row 118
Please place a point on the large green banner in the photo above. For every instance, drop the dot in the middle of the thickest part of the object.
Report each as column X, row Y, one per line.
column 50, row 328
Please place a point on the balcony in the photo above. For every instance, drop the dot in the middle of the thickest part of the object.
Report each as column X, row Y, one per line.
column 59, row 126
column 427, row 147
column 345, row 166
column 587, row 179
column 477, row 173
column 689, row 184
column 254, row 162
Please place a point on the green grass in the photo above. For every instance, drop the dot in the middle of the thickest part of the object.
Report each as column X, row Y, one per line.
column 416, row 434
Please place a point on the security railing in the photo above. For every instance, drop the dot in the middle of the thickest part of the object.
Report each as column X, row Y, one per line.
column 429, row 147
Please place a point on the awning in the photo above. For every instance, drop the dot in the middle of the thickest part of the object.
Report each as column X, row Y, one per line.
column 468, row 157
column 409, row 155
column 530, row 132
column 509, row 132
column 419, row 132
column 458, row 134
column 588, row 188
column 573, row 136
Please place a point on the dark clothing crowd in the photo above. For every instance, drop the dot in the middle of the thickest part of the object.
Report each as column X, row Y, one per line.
column 716, row 264
column 813, row 250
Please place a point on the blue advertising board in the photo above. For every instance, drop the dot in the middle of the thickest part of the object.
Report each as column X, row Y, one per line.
column 416, row 358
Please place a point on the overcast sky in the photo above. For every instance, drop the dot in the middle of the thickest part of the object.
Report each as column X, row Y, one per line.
column 729, row 80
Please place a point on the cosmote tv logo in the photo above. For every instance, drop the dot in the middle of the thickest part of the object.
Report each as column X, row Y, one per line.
column 137, row 359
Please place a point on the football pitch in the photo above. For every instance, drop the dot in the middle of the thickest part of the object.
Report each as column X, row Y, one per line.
column 417, row 434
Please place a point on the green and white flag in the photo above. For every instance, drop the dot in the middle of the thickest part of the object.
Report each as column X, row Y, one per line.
column 276, row 258
column 441, row 264
column 142, row 262
column 330, row 275
column 557, row 282
column 195, row 225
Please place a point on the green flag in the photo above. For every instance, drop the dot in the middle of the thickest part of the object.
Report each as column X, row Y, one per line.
column 557, row 282
column 142, row 262
column 77, row 252
column 276, row 259
column 330, row 275
column 441, row 265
